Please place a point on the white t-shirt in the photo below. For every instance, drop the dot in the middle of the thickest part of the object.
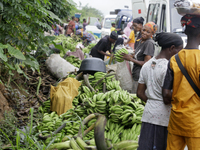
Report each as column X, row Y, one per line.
column 152, row 75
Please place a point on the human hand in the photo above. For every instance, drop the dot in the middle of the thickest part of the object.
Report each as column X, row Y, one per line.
column 126, row 56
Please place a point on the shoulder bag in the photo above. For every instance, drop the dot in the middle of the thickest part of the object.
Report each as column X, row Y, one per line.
column 187, row 76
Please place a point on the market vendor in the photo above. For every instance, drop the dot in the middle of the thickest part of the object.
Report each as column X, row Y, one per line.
column 143, row 52
column 85, row 36
column 99, row 50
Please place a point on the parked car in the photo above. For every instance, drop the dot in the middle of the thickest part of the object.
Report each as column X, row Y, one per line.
column 106, row 24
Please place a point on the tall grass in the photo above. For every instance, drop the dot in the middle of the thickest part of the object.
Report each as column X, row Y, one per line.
column 26, row 140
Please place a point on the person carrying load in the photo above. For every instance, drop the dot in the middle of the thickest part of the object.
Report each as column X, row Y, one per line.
column 181, row 89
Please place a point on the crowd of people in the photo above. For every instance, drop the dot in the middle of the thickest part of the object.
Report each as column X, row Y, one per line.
column 74, row 27
column 169, row 83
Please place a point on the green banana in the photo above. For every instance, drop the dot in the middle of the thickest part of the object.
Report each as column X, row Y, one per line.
column 81, row 143
column 74, row 145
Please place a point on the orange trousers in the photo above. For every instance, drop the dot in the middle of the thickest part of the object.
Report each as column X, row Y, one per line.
column 176, row 142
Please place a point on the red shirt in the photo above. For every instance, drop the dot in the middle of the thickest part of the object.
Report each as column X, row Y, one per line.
column 71, row 27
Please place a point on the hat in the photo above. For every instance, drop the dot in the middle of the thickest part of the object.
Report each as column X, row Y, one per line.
column 114, row 35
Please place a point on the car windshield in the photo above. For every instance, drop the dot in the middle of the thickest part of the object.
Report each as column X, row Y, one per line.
column 108, row 22
column 93, row 21
column 175, row 19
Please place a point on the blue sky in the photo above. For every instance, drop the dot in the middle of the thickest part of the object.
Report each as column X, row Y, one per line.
column 105, row 6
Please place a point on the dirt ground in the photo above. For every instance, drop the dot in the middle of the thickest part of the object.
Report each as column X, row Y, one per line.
column 4, row 104
column 21, row 94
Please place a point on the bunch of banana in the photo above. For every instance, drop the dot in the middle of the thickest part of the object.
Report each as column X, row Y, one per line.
column 113, row 131
column 52, row 121
column 80, row 110
column 45, row 107
column 110, row 85
column 82, row 97
column 101, row 103
column 124, row 97
column 118, row 55
column 75, row 101
column 98, row 76
column 115, row 113
column 87, row 91
column 126, row 145
column 128, row 117
column 131, row 133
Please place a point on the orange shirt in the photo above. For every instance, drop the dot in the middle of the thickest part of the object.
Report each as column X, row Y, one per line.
column 132, row 37
column 185, row 113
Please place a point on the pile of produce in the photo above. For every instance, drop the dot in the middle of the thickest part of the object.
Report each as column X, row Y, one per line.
column 88, row 48
column 68, row 43
column 75, row 61
column 99, row 94
column 118, row 56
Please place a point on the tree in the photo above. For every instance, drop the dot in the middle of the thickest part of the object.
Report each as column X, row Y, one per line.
column 61, row 8
column 22, row 26
column 87, row 11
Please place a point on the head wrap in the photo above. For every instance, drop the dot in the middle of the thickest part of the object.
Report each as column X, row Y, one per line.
column 79, row 32
column 152, row 25
column 166, row 39
column 139, row 20
column 114, row 35
column 191, row 20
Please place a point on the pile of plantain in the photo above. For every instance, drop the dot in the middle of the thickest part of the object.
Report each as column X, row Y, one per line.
column 99, row 94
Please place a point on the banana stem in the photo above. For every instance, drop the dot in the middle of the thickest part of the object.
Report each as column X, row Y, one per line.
column 99, row 130
column 88, row 118
column 79, row 76
column 107, row 75
column 85, row 76
column 104, row 87
column 55, row 132
column 89, row 129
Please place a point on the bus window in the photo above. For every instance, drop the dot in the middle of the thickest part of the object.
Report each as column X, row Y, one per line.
column 153, row 13
column 156, row 11
column 163, row 27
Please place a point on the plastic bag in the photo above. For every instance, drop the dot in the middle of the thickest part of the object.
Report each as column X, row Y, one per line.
column 63, row 95
column 59, row 67
column 123, row 74
column 80, row 46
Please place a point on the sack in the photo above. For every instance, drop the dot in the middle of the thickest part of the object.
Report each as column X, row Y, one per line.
column 124, row 76
column 59, row 67
column 63, row 95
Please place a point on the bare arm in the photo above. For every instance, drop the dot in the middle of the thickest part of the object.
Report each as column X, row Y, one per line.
column 127, row 41
column 141, row 92
column 140, row 63
column 88, row 20
column 104, row 53
column 168, row 85
column 167, row 96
